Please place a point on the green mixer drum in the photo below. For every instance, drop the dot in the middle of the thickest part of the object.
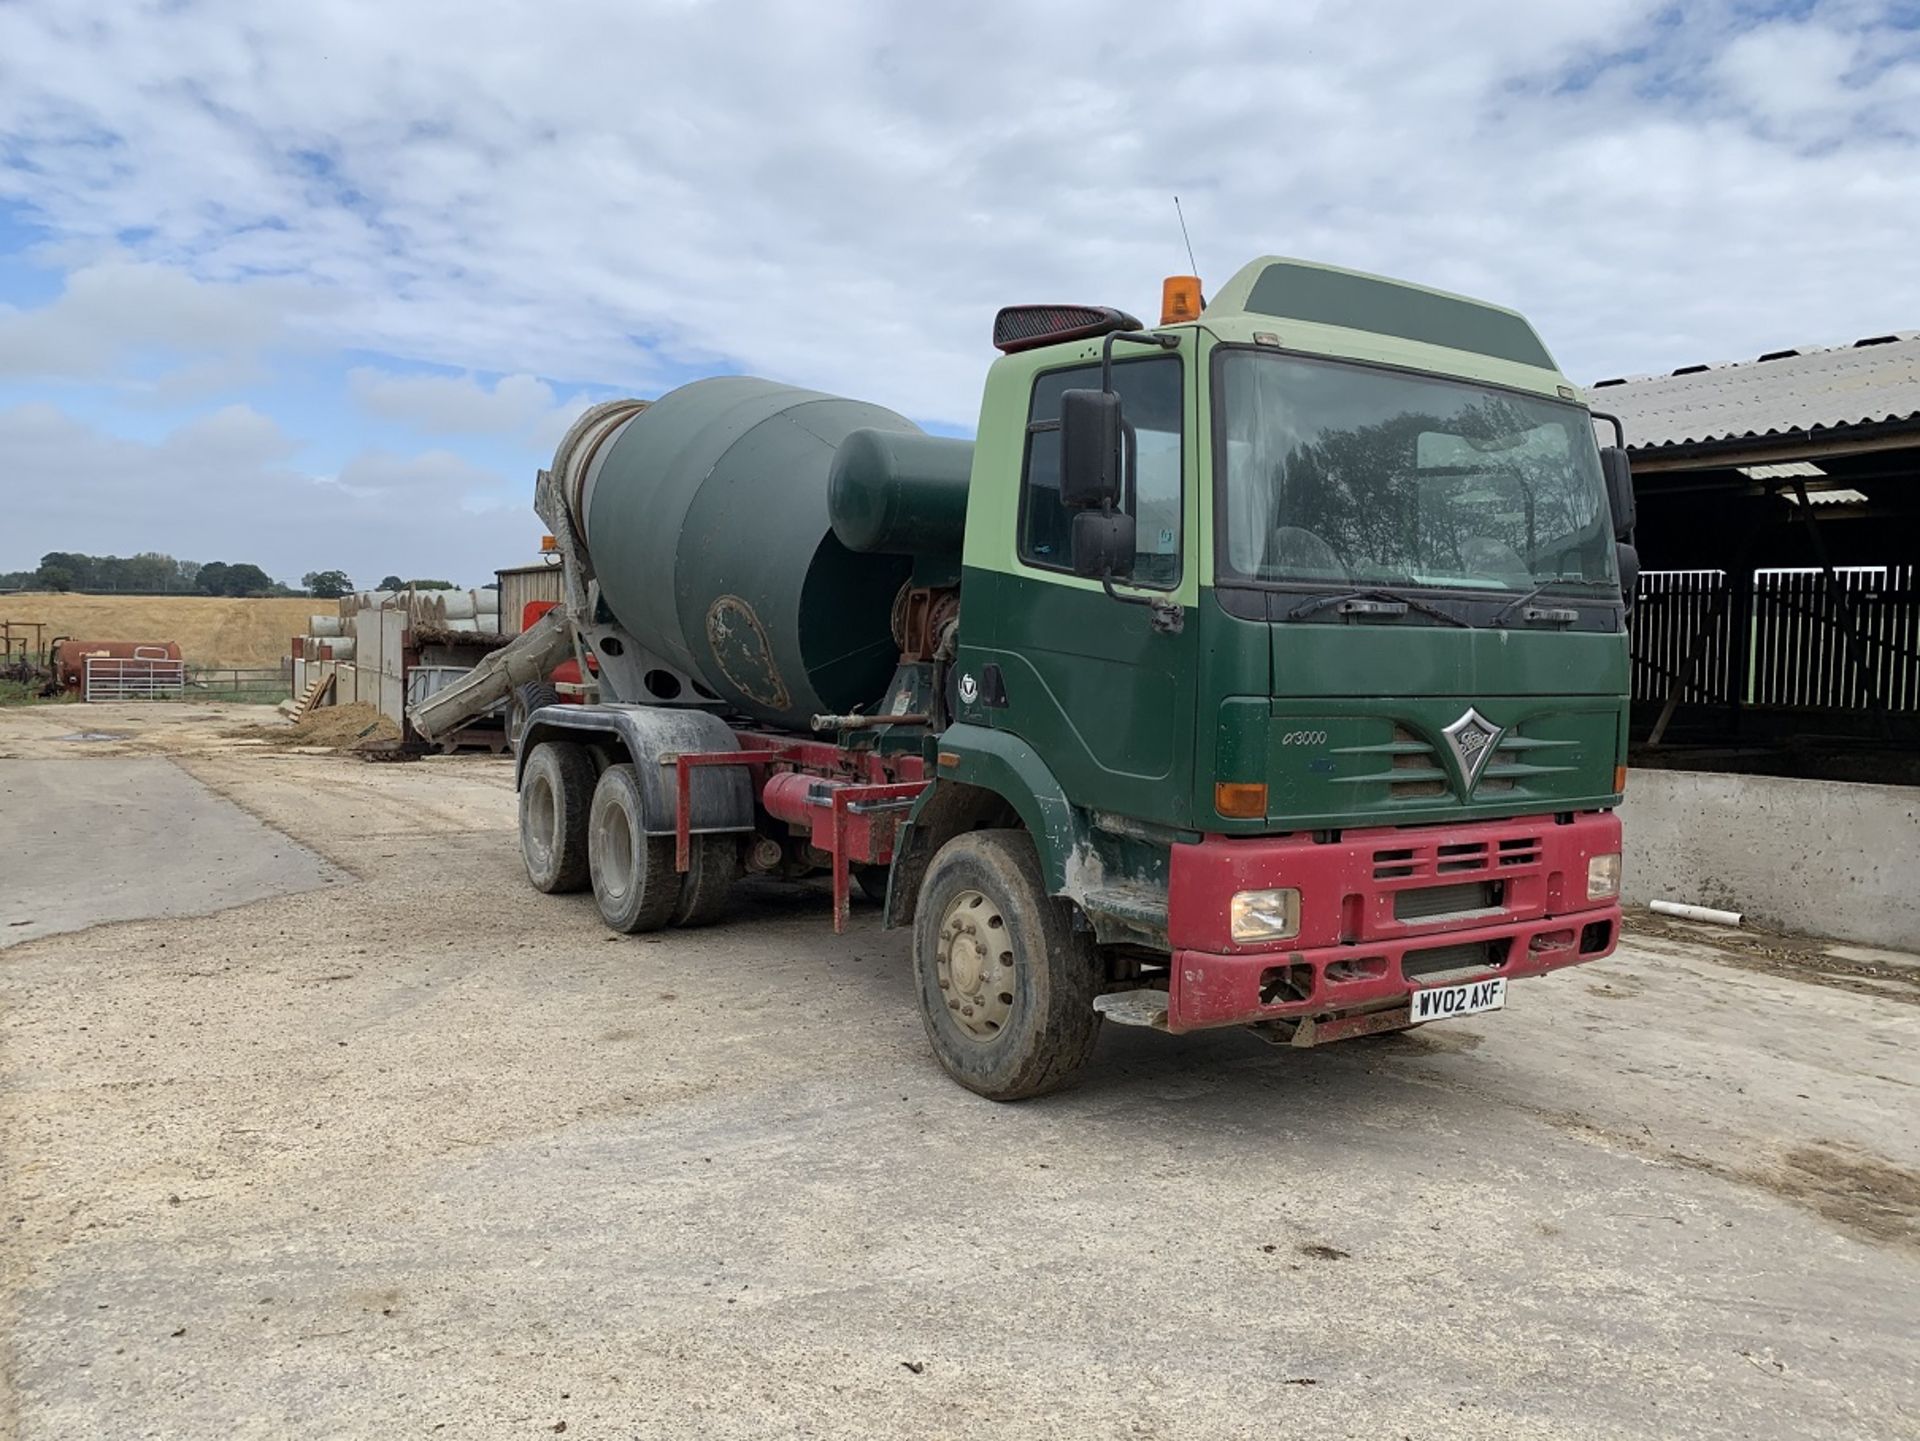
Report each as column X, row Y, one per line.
column 706, row 517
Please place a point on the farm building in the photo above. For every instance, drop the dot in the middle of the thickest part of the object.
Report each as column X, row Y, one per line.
column 522, row 584
column 1777, row 626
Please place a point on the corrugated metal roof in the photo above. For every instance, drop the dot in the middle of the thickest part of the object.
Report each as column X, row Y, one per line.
column 1785, row 392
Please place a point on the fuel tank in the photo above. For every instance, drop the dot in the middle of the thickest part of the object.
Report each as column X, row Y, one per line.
column 707, row 518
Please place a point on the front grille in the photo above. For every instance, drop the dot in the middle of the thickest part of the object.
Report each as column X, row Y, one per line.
column 1399, row 768
column 1435, row 903
column 1521, row 756
column 1416, row 775
column 1454, row 963
column 1519, row 850
column 1393, row 865
column 1423, row 860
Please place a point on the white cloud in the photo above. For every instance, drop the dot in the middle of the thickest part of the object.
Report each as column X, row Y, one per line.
column 515, row 405
column 840, row 196
column 115, row 316
column 223, row 487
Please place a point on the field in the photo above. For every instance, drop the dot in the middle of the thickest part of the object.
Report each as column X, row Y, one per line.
column 211, row 630
column 317, row 1121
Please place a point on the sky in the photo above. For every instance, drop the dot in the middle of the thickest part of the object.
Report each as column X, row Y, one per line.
column 321, row 285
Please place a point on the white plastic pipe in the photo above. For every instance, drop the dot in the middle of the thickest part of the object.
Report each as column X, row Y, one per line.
column 1696, row 913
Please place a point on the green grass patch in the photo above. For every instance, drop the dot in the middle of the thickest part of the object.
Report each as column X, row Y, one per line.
column 17, row 692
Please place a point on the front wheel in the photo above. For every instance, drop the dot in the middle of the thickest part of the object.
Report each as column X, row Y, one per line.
column 1006, row 983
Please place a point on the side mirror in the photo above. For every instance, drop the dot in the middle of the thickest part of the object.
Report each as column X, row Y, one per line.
column 1091, row 441
column 1103, row 542
column 1627, row 561
column 1618, row 473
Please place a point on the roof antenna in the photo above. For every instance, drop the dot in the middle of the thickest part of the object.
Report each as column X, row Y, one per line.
column 1183, row 235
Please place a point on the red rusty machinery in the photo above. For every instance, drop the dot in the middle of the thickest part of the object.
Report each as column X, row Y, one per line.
column 69, row 657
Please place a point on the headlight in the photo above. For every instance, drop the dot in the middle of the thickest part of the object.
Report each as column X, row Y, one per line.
column 1265, row 915
column 1603, row 877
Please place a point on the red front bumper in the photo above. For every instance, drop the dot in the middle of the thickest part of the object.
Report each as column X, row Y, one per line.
column 1383, row 913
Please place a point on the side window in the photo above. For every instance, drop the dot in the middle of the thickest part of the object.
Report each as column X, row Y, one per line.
column 1149, row 391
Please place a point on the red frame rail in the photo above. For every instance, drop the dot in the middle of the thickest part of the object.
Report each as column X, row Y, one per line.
column 863, row 814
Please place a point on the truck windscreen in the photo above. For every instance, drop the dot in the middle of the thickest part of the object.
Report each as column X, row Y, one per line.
column 1336, row 473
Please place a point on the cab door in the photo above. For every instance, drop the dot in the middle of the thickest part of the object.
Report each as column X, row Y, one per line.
column 1101, row 692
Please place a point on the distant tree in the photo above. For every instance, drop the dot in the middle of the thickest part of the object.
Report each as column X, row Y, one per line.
column 149, row 570
column 247, row 580
column 66, row 570
column 327, row 584
column 431, row 585
column 392, row 582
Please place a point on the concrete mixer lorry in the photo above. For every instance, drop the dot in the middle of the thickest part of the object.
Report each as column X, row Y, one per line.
column 1266, row 667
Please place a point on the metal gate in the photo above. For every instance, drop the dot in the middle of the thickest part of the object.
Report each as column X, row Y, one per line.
column 134, row 677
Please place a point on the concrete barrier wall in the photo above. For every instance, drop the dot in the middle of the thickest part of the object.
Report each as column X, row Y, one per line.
column 1824, row 858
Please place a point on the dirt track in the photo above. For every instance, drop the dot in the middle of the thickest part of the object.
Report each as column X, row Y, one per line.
column 423, row 1152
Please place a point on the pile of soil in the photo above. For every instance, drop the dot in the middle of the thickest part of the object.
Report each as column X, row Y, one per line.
column 341, row 727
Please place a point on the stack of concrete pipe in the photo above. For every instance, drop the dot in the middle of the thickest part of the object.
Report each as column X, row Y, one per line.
column 453, row 610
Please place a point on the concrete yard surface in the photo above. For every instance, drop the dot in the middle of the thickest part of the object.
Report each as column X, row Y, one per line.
column 420, row 1152
column 128, row 838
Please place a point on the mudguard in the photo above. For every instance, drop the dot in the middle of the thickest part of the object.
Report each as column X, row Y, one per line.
column 720, row 797
column 1000, row 762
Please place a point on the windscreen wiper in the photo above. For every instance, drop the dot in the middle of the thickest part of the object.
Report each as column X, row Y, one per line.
column 1560, row 615
column 1375, row 600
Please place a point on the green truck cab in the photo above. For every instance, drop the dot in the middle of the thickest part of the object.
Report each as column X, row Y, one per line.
column 1342, row 717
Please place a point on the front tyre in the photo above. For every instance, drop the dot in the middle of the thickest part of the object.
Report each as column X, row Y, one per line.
column 634, row 882
column 1006, row 983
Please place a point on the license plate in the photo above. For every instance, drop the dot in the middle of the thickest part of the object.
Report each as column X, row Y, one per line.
column 1442, row 1002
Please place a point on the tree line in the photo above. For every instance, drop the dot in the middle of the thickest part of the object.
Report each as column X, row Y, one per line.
column 154, row 573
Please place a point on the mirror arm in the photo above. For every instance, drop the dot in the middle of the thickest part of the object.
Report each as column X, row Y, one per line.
column 1135, row 337
column 1169, row 616
column 1619, row 430
column 1106, row 584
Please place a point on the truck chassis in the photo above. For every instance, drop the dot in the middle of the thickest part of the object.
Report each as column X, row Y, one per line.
column 1422, row 908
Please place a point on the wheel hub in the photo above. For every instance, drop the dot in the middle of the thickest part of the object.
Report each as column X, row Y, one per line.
column 543, row 816
column 974, row 965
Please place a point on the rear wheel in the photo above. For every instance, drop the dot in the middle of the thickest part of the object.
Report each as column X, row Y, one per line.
column 1006, row 983
column 872, row 880
column 712, row 865
column 634, row 882
column 524, row 702
column 556, row 794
